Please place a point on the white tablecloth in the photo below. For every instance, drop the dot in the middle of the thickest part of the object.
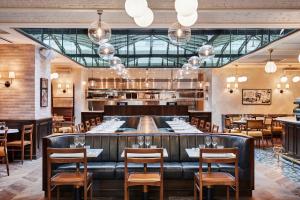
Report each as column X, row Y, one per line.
column 10, row 131
column 195, row 153
column 107, row 127
column 90, row 153
column 182, row 127
column 147, row 155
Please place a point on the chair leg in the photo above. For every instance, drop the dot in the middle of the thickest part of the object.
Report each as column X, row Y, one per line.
column 195, row 190
column 237, row 193
column 126, row 193
column 161, row 192
column 227, row 193
column 85, row 193
column 48, row 193
column 200, row 192
column 31, row 151
column 91, row 192
column 7, row 167
column 23, row 152
column 57, row 192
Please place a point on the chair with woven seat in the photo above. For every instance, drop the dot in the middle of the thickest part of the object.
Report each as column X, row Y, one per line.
column 98, row 121
column 276, row 129
column 207, row 127
column 254, row 129
column 24, row 141
column 3, row 150
column 76, row 178
column 215, row 128
column 267, row 130
column 211, row 178
column 229, row 128
column 144, row 178
column 201, row 125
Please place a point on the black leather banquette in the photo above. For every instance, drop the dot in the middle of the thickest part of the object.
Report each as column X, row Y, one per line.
column 179, row 169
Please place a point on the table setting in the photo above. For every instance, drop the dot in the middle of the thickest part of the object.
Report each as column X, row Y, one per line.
column 181, row 126
column 109, row 126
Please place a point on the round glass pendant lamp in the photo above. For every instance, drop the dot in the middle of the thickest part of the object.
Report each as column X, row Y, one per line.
column 187, row 68
column 114, row 61
column 99, row 32
column 195, row 62
column 146, row 19
column 106, row 51
column 136, row 8
column 179, row 34
column 119, row 67
column 206, row 51
column 189, row 20
column 186, row 7
column 270, row 65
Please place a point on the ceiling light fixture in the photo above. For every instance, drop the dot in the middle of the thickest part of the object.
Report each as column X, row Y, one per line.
column 146, row 19
column 195, row 62
column 189, row 20
column 270, row 65
column 206, row 51
column 186, row 7
column 106, row 51
column 178, row 34
column 99, row 32
column 54, row 76
column 135, row 8
column 283, row 79
column 299, row 58
column 296, row 79
column 114, row 61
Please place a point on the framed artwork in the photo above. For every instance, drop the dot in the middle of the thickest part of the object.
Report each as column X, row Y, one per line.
column 256, row 96
column 44, row 93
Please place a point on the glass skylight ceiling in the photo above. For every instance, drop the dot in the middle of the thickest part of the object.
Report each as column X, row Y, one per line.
column 151, row 48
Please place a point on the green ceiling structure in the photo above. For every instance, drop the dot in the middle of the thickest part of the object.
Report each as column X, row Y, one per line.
column 151, row 48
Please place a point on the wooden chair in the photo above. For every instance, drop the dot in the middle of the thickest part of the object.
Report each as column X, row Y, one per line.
column 254, row 129
column 215, row 128
column 98, row 121
column 229, row 128
column 81, row 128
column 144, row 178
column 194, row 121
column 3, row 150
column 276, row 129
column 25, row 140
column 87, row 125
column 201, row 125
column 267, row 130
column 93, row 122
column 207, row 127
column 209, row 178
column 76, row 178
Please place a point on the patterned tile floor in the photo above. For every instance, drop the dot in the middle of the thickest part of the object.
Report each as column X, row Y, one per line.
column 274, row 180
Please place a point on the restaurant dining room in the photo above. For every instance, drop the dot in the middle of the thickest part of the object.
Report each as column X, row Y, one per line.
column 149, row 100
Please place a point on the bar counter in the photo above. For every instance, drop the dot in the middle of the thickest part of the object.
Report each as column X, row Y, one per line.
column 291, row 136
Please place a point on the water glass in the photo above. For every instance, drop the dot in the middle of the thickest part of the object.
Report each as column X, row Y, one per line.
column 81, row 141
column 140, row 140
column 201, row 146
column 153, row 147
column 135, row 146
column 208, row 141
column 76, row 141
column 147, row 141
column 215, row 141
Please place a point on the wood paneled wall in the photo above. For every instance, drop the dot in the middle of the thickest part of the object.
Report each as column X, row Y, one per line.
column 17, row 101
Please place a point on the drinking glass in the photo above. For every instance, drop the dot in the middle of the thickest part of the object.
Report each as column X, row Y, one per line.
column 81, row 141
column 140, row 141
column 147, row 141
column 76, row 141
column 215, row 141
column 208, row 141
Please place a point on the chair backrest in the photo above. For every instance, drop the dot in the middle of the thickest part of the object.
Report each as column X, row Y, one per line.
column 53, row 157
column 93, row 122
column 207, row 127
column 276, row 123
column 255, row 124
column 228, row 123
column 98, row 120
column 215, row 129
column 80, row 128
column 3, row 140
column 201, row 124
column 195, row 121
column 27, row 130
column 268, row 121
column 87, row 125
column 233, row 157
column 156, row 158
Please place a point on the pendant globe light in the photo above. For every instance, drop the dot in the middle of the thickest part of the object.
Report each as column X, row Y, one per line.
column 106, row 51
column 270, row 65
column 99, row 32
column 187, row 68
column 186, row 7
column 189, row 20
column 195, row 62
column 206, row 51
column 114, row 61
column 178, row 34
column 146, row 19
column 136, row 8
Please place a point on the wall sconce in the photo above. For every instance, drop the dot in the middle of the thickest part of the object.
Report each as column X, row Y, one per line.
column 11, row 77
column 232, row 87
column 281, row 90
column 64, row 89
column 206, row 85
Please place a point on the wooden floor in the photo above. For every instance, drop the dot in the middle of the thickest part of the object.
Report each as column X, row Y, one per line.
column 271, row 182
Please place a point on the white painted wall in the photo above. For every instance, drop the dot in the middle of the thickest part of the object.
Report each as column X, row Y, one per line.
column 225, row 103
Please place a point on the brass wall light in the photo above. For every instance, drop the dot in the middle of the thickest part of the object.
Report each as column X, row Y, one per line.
column 11, row 77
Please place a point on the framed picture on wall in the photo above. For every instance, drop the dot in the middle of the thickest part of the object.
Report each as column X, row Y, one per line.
column 256, row 96
column 44, row 92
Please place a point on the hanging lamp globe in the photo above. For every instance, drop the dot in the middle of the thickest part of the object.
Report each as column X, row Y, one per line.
column 189, row 20
column 178, row 34
column 270, row 66
column 114, row 61
column 206, row 51
column 186, row 7
column 135, row 8
column 195, row 62
column 106, row 51
column 146, row 19
column 99, row 32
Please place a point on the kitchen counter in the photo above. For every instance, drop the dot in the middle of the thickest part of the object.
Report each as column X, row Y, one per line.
column 288, row 120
